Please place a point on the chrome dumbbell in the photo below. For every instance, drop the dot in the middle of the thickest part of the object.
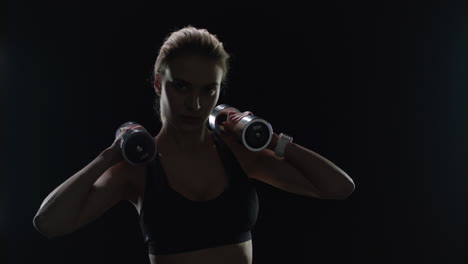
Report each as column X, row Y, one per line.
column 137, row 145
column 252, row 131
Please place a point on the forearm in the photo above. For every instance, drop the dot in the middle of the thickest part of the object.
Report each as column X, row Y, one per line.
column 322, row 173
column 60, row 209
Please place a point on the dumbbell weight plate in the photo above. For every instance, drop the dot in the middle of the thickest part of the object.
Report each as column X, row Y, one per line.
column 138, row 147
column 256, row 132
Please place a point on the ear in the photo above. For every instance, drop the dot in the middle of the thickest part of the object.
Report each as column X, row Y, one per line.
column 157, row 84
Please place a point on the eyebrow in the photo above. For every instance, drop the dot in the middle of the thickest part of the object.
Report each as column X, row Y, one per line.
column 188, row 83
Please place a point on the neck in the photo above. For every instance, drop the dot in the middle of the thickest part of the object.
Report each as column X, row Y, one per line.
column 176, row 141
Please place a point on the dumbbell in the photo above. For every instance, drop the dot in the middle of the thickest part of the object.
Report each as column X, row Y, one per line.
column 137, row 145
column 252, row 131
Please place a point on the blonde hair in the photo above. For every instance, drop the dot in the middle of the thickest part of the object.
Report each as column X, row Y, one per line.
column 190, row 40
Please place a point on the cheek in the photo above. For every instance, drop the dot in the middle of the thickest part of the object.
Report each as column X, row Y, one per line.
column 171, row 97
column 173, row 102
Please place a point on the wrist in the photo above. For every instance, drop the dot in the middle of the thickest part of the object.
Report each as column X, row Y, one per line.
column 111, row 156
column 282, row 143
column 273, row 142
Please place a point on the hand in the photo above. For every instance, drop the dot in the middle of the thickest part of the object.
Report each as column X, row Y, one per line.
column 114, row 152
column 227, row 128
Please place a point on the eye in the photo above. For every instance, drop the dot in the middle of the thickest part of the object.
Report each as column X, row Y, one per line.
column 210, row 90
column 180, row 86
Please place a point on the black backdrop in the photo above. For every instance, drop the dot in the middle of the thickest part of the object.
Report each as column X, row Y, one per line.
column 375, row 88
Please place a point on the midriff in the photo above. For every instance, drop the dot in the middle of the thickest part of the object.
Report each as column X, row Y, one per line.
column 240, row 253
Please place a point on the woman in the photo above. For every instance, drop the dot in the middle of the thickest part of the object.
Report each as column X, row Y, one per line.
column 195, row 200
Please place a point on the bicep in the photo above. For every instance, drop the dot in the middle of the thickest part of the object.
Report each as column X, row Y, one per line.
column 281, row 174
column 110, row 188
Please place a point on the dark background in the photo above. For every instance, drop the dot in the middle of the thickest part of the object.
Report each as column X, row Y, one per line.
column 378, row 89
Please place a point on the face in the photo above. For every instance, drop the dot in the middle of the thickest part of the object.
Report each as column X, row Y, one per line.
column 189, row 87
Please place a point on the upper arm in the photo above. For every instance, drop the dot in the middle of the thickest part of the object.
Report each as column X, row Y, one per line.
column 266, row 167
column 113, row 186
column 278, row 172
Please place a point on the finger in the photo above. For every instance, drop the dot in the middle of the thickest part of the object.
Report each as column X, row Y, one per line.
column 240, row 116
column 133, row 126
column 244, row 115
column 231, row 115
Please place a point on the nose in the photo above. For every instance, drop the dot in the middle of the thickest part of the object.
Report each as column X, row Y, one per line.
column 193, row 102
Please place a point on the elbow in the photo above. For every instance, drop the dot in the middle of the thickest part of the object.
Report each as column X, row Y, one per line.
column 343, row 194
column 40, row 225
column 349, row 190
column 346, row 193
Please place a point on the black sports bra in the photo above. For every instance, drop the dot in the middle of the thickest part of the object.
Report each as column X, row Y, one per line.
column 172, row 223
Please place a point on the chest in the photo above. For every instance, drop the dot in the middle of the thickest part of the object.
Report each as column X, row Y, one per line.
column 169, row 216
column 196, row 179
